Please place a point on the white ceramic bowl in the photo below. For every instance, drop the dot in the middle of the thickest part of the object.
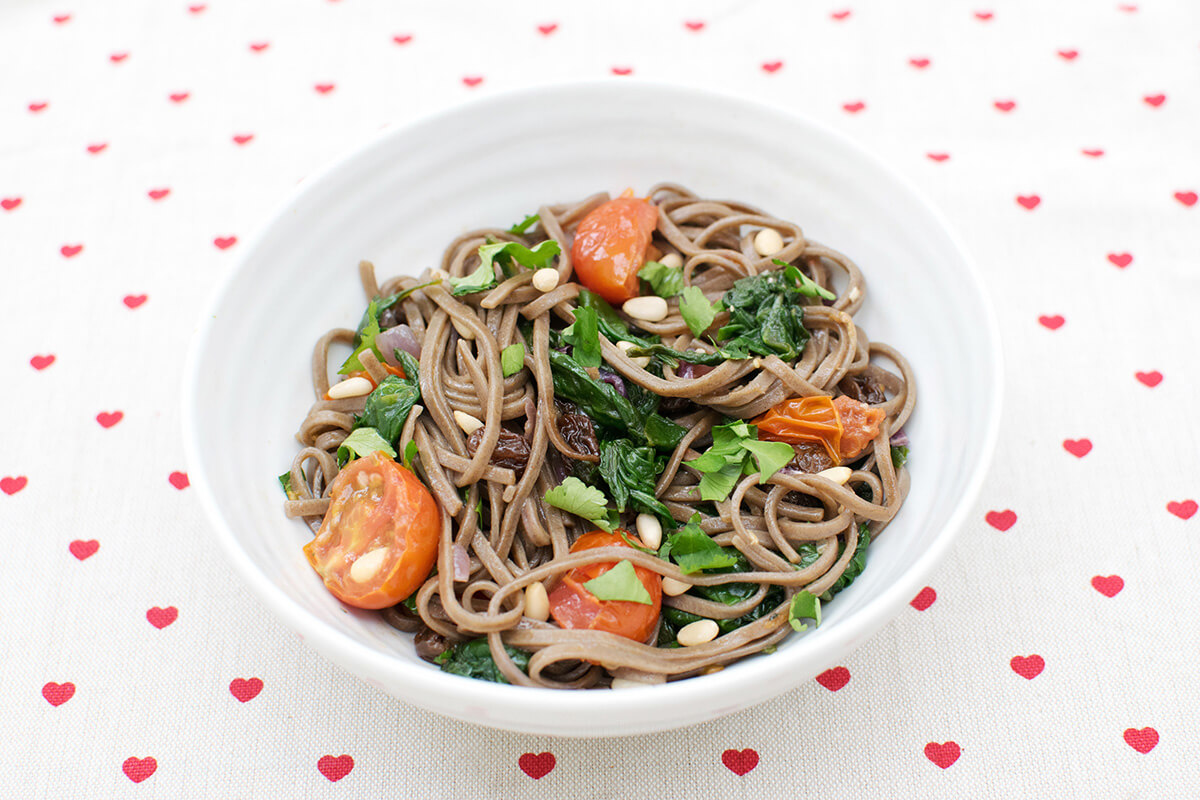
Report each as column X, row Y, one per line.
column 400, row 199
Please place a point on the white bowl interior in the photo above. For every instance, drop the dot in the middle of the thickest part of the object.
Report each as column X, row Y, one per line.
column 400, row 200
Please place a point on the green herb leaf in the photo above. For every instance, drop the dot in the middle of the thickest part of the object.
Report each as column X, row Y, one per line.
column 512, row 359
column 387, row 407
column 715, row 486
column 770, row 457
column 665, row 281
column 899, row 456
column 364, row 338
column 619, row 583
column 410, row 452
column 737, row 451
column 611, row 325
column 285, row 480
column 473, row 659
column 696, row 311
column 693, row 550
column 503, row 254
column 805, row 605
column 631, row 472
column 671, row 357
column 805, row 285
column 576, row 497
column 524, row 225
column 363, row 442
column 584, row 337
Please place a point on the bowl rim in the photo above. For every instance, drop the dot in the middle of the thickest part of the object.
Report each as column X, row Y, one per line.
column 839, row 638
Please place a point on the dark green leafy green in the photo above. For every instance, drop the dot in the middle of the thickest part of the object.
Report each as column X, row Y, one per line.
column 858, row 562
column 584, row 337
column 899, row 456
column 727, row 593
column 696, row 311
column 473, row 659
column 388, row 405
column 665, row 281
column 631, row 472
column 804, row 284
column 368, row 327
column 765, row 318
column 693, row 550
column 619, row 583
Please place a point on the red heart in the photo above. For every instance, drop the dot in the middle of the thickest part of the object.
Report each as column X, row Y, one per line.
column 1005, row 105
column 1108, row 585
column 939, row 157
column 1053, row 322
column 1001, row 520
column 983, row 15
column 58, row 693
column 179, row 97
column 1078, row 447
column 1187, row 198
column 179, row 480
column 248, row 689
column 472, row 80
column 622, row 70
column 162, row 617
column 1069, row 55
column 9, row 203
column 242, row 138
column 96, row 148
column 138, row 769
column 1183, row 510
column 919, row 63
column 335, row 767
column 36, row 107
column 1143, row 740
column 41, row 362
column 402, row 38
column 1155, row 100
column 943, row 755
column 772, row 66
column 108, row 419
column 1029, row 201
column 83, row 550
column 196, row 9
column 537, row 765
column 225, row 242
column 61, row 18
column 1093, row 153
column 324, row 88
column 1151, row 379
column 70, row 250
column 924, row 599
column 739, row 762
column 10, row 485
column 834, row 679
column 117, row 58
column 840, row 15
column 854, row 107
column 1129, row 9
column 134, row 300
column 548, row 29
column 158, row 194
column 694, row 25
column 1028, row 667
column 1121, row 260
column 258, row 47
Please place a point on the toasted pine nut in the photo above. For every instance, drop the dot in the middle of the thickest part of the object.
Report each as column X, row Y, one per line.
column 545, row 279
column 674, row 588
column 649, row 530
column 838, row 475
column 650, row 308
column 468, row 423
column 698, row 632
column 673, row 260
column 537, row 602
column 768, row 242
column 351, row 387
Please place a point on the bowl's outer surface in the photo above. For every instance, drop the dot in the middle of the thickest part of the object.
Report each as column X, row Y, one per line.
column 401, row 198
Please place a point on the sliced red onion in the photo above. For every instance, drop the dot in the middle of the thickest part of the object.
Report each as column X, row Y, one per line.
column 689, row 370
column 899, row 439
column 613, row 380
column 462, row 563
column 400, row 337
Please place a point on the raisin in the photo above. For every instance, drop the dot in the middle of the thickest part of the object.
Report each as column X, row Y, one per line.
column 811, row 457
column 512, row 451
column 576, row 429
column 863, row 388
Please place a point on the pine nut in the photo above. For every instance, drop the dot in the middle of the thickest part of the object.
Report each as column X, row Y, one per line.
column 641, row 361
column 545, row 279
column 468, row 423
column 698, row 632
column 674, row 588
column 351, row 387
column 537, row 602
column 673, row 260
column 650, row 308
column 838, row 475
column 768, row 242
column 625, row 683
column 712, row 669
column 853, row 294
column 365, row 567
column 649, row 530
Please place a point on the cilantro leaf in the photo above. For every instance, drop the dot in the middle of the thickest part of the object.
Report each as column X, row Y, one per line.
column 576, row 497
column 665, row 281
column 285, row 480
column 737, row 451
column 619, row 583
column 696, row 311
column 524, row 225
column 805, row 605
column 770, row 457
column 512, row 359
column 584, row 337
column 363, row 442
column 364, row 338
column 693, row 550
column 899, row 456
column 503, row 254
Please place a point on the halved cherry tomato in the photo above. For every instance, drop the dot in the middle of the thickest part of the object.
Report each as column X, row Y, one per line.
column 573, row 606
column 379, row 538
column 610, row 247
column 843, row 425
column 362, row 373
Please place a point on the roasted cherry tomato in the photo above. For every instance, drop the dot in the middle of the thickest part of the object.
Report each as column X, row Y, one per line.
column 379, row 538
column 843, row 425
column 860, row 424
column 610, row 247
column 573, row 606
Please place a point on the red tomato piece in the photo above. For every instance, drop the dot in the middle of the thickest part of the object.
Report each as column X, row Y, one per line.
column 379, row 538
column 610, row 247
column 803, row 419
column 860, row 424
column 573, row 606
